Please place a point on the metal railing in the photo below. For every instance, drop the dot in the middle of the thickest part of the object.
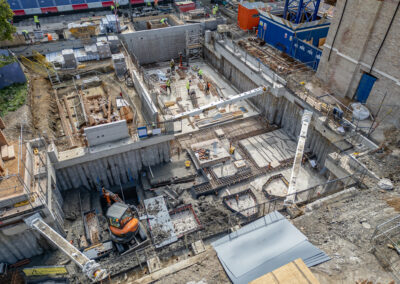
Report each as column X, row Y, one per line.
column 385, row 242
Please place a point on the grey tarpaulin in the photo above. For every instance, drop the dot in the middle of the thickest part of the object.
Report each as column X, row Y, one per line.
column 262, row 246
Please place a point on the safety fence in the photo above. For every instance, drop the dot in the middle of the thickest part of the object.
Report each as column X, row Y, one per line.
column 385, row 242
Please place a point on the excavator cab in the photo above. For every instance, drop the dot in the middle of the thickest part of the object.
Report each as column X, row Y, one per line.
column 123, row 224
column 118, row 212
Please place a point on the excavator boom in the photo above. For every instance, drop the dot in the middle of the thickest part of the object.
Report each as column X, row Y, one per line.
column 108, row 195
column 91, row 268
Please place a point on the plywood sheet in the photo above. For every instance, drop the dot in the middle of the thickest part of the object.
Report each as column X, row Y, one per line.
column 293, row 272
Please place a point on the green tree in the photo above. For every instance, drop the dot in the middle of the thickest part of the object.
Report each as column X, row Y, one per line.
column 6, row 28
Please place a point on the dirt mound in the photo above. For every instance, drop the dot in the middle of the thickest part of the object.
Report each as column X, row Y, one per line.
column 14, row 120
column 394, row 202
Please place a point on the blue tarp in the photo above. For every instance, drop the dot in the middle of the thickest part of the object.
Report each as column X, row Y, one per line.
column 263, row 246
column 11, row 73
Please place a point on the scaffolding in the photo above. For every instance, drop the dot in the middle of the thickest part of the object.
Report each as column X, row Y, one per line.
column 194, row 45
column 386, row 244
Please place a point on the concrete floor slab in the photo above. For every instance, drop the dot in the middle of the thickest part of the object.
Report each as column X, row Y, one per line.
column 269, row 149
column 182, row 102
column 208, row 155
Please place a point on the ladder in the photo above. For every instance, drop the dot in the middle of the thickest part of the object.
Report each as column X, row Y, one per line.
column 53, row 76
column 306, row 120
column 91, row 268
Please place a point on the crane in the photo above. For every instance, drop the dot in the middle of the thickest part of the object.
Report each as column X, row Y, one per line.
column 91, row 268
column 298, row 11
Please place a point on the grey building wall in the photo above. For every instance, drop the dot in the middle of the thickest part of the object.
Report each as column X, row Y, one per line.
column 358, row 38
column 18, row 242
column 157, row 45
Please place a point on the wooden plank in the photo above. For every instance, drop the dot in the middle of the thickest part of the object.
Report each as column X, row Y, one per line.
column 64, row 124
column 173, row 268
column 11, row 152
column 3, row 140
column 2, row 124
column 109, row 110
column 4, row 152
column 2, row 167
column 71, row 121
column 293, row 272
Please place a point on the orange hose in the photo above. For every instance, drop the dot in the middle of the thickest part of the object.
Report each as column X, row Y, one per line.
column 131, row 226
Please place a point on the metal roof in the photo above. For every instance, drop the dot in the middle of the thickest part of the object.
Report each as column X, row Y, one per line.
column 263, row 246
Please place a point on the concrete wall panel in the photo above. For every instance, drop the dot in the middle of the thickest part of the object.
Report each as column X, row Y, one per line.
column 19, row 246
column 112, row 170
column 157, row 45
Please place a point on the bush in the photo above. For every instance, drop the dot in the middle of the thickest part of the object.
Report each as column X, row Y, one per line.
column 12, row 97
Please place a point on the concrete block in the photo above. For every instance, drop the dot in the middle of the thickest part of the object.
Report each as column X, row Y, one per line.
column 153, row 264
column 105, row 133
column 11, row 153
column 198, row 247
column 4, row 152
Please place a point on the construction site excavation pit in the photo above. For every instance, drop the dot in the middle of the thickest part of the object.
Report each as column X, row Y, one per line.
column 190, row 142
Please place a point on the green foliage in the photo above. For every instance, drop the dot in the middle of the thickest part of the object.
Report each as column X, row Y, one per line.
column 5, row 60
column 12, row 97
column 6, row 15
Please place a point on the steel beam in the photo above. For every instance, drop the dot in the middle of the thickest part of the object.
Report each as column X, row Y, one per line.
column 91, row 268
column 221, row 103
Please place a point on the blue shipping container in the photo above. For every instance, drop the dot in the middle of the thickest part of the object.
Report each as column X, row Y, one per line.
column 62, row 2
column 15, row 5
column 28, row 4
column 78, row 2
column 46, row 3
column 306, row 53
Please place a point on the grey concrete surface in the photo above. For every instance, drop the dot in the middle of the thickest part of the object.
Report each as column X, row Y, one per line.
column 157, row 45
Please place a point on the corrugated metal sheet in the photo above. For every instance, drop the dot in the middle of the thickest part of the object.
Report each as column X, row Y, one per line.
column 262, row 246
column 19, row 246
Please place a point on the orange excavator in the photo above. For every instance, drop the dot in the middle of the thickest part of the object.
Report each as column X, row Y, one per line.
column 123, row 222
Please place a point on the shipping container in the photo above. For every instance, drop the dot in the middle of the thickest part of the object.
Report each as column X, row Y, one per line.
column 185, row 6
column 248, row 15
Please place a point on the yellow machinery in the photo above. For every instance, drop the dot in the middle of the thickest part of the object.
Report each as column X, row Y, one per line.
column 41, row 66
column 83, row 31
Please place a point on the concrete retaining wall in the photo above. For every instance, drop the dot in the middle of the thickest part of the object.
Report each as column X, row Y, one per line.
column 280, row 106
column 157, row 45
column 112, row 170
column 48, row 47
column 19, row 245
